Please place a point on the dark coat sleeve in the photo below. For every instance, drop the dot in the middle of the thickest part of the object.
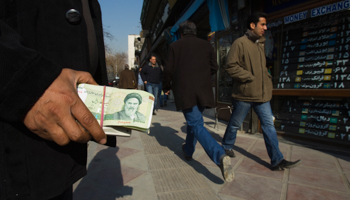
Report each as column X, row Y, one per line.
column 25, row 75
column 168, row 70
column 144, row 73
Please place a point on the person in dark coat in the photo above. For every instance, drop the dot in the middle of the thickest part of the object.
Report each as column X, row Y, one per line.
column 127, row 79
column 151, row 75
column 191, row 62
column 46, row 49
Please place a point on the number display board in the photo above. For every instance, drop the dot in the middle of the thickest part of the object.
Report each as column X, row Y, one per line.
column 315, row 53
column 319, row 118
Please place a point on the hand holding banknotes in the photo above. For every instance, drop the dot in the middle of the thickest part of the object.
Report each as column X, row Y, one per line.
column 53, row 116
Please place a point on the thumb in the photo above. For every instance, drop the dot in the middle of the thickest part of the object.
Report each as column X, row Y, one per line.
column 85, row 77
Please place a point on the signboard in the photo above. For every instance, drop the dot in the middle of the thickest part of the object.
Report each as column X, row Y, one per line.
column 318, row 118
column 316, row 12
column 315, row 53
column 276, row 5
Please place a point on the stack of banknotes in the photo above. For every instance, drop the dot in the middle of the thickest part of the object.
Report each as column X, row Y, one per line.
column 119, row 111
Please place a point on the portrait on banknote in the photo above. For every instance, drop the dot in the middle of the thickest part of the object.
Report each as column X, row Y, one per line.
column 130, row 111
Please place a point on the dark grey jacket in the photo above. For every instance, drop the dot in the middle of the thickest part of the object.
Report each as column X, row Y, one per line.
column 36, row 42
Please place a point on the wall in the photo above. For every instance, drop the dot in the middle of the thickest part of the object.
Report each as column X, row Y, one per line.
column 131, row 50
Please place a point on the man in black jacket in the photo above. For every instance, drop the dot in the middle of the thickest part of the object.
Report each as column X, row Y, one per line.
column 42, row 146
column 152, row 75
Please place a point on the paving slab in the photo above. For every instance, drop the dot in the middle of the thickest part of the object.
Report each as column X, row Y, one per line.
column 323, row 179
column 344, row 162
column 259, row 168
column 314, row 158
column 298, row 192
column 246, row 186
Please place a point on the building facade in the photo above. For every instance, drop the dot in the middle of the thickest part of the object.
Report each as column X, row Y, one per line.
column 306, row 49
column 132, row 47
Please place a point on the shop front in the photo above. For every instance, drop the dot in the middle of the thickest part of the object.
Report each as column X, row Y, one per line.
column 307, row 50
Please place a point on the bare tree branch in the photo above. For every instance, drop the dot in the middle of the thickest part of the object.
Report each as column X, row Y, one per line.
column 117, row 61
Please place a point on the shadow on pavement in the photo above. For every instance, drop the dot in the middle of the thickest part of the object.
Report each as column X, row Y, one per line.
column 167, row 136
column 104, row 179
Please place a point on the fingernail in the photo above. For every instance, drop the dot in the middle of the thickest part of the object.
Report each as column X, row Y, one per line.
column 103, row 141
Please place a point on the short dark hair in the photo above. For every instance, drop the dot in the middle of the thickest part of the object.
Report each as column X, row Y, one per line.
column 133, row 95
column 188, row 28
column 254, row 18
column 152, row 56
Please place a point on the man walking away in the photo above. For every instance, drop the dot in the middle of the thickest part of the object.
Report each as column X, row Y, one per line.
column 191, row 62
column 127, row 79
column 252, row 87
column 151, row 75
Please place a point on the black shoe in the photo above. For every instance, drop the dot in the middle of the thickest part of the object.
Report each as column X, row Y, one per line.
column 188, row 158
column 285, row 164
column 226, row 168
column 230, row 153
column 154, row 113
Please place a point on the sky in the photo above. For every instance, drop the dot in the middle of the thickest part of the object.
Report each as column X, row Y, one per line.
column 121, row 18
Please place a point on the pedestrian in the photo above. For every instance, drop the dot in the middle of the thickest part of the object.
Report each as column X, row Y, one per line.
column 127, row 78
column 252, row 88
column 140, row 84
column 191, row 62
column 44, row 48
column 151, row 75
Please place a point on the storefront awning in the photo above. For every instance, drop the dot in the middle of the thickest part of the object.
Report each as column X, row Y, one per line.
column 218, row 16
column 189, row 12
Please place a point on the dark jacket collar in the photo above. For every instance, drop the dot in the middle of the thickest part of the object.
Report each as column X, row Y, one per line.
column 188, row 36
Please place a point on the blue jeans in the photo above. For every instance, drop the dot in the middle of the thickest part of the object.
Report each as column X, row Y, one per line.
column 153, row 88
column 263, row 110
column 162, row 98
column 196, row 131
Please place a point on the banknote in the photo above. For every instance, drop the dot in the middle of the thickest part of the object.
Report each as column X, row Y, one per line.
column 114, row 107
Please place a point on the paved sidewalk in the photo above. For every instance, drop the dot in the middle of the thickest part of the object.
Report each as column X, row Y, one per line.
column 153, row 167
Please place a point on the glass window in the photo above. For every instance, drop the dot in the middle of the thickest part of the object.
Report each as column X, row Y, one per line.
column 225, row 82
